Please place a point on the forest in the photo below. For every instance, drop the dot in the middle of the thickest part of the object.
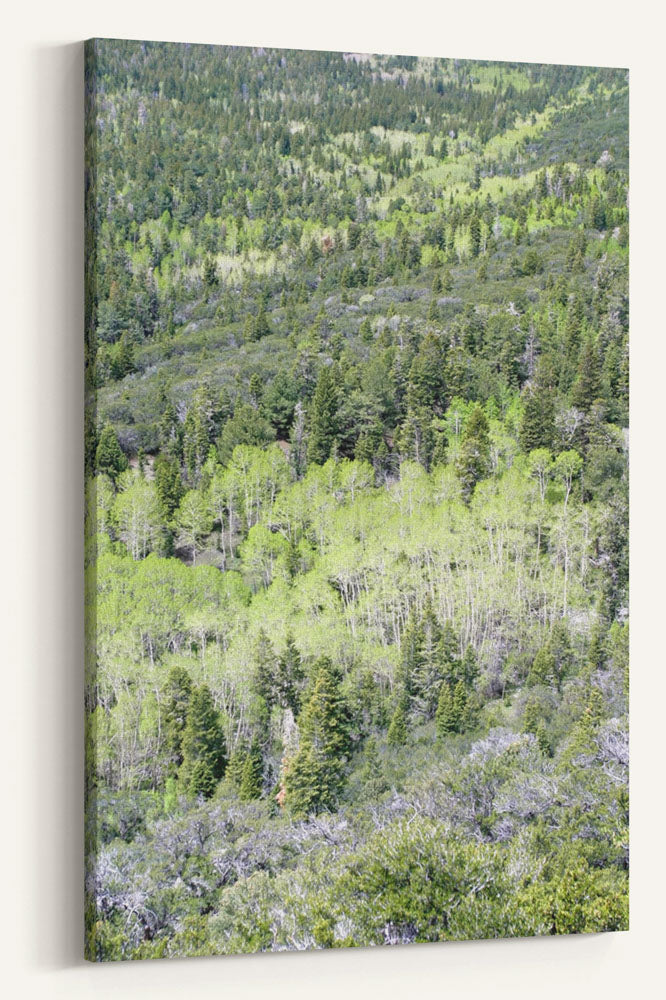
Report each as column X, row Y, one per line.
column 356, row 451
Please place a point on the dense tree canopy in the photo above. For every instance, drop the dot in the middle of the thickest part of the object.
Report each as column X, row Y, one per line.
column 357, row 478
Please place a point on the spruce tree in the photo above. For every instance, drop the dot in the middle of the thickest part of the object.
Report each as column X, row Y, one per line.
column 397, row 731
column 410, row 654
column 587, row 387
column 323, row 425
column 559, row 644
column 109, row 456
column 428, row 667
column 473, row 461
column 263, row 681
column 203, row 745
column 209, row 272
column 372, row 776
column 543, row 740
column 201, row 779
column 583, row 743
column 537, row 427
column 461, row 707
column 450, row 650
column 544, row 668
column 469, row 668
column 178, row 693
column 234, row 769
column 251, row 783
column 168, row 484
column 315, row 776
column 446, row 719
column 289, row 676
column 531, row 716
column 256, row 389
column 425, row 386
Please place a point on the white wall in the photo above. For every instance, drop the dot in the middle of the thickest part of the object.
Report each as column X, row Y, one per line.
column 41, row 553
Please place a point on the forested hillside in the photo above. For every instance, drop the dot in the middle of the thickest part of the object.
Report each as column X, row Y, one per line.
column 356, row 451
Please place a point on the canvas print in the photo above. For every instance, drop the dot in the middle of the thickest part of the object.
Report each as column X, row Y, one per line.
column 356, row 471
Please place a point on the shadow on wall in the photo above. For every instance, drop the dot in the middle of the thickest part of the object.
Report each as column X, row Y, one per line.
column 55, row 316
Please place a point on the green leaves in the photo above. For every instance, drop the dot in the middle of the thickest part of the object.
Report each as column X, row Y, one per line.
column 194, row 521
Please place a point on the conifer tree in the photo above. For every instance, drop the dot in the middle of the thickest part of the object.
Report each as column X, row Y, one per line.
column 461, row 707
column 427, row 670
column 446, row 718
column 201, row 779
column 203, row 745
column 372, row 776
column 178, row 693
column 289, row 676
column 425, row 386
column 168, row 484
column 473, row 461
column 109, row 456
column 537, row 427
column 450, row 650
column 544, row 668
column 198, row 433
column 397, row 731
column 543, row 740
column 256, row 388
column 234, row 769
column 263, row 679
column 315, row 776
column 587, row 387
column 170, row 429
column 475, row 235
column 559, row 644
column 531, row 716
column 410, row 653
column 195, row 445
column 209, row 272
column 469, row 668
column 262, row 327
column 251, row 783
column 323, row 425
column 582, row 743
column 123, row 357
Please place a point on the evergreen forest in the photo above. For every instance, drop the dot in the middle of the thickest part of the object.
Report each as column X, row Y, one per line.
column 356, row 459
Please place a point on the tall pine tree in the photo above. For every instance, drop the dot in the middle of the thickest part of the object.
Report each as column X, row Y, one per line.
column 323, row 423
column 203, row 745
column 315, row 776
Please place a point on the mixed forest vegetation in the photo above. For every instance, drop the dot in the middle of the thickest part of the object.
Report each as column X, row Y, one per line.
column 356, row 453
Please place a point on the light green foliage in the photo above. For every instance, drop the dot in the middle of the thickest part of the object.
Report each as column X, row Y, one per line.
column 568, row 465
column 540, row 464
column 137, row 514
column 372, row 382
column 194, row 521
